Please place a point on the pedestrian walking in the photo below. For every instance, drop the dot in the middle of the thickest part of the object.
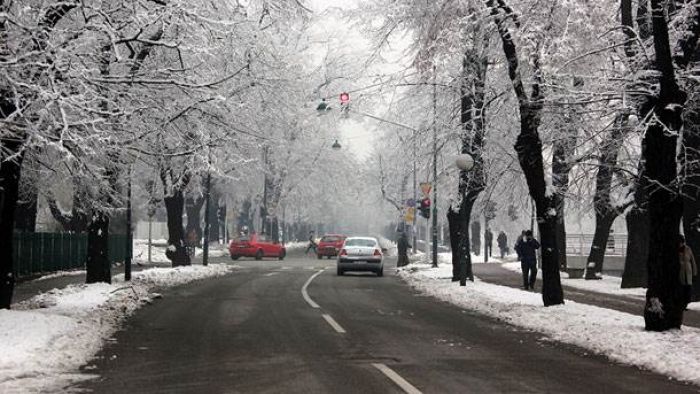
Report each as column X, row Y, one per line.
column 402, row 246
column 688, row 269
column 488, row 240
column 312, row 244
column 528, row 259
column 502, row 242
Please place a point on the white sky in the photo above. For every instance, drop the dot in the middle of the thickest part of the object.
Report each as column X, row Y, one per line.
column 354, row 133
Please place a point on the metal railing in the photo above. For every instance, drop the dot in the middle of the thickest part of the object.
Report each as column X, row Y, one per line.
column 580, row 244
column 35, row 253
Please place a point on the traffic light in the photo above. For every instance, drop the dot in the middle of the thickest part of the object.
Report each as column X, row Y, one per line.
column 345, row 104
column 425, row 208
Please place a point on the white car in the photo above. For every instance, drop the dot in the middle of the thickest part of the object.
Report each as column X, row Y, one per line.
column 361, row 254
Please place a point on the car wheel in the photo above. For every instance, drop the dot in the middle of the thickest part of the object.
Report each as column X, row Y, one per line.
column 319, row 256
column 380, row 272
column 340, row 271
column 235, row 257
column 282, row 254
column 259, row 255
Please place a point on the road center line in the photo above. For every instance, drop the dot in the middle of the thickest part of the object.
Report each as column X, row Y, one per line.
column 396, row 378
column 334, row 324
column 272, row 273
column 306, row 295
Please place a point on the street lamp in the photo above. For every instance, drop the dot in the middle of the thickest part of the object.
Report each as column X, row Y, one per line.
column 336, row 145
column 464, row 162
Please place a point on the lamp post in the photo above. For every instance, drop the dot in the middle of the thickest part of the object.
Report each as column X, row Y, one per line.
column 129, row 232
column 207, row 197
column 434, row 226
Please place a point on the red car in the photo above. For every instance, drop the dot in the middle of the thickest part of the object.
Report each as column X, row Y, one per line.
column 329, row 245
column 255, row 245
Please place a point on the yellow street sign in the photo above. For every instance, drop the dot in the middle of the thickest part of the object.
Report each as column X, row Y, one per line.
column 410, row 214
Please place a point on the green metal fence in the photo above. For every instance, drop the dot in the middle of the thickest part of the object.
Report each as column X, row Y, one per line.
column 49, row 252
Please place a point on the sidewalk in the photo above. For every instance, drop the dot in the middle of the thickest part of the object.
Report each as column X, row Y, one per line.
column 26, row 289
column 495, row 274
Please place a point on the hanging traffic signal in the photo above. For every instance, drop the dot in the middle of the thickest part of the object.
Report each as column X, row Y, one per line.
column 425, row 208
column 344, row 98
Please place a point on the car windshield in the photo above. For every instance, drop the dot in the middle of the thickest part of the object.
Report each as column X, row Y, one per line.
column 361, row 242
column 243, row 238
column 331, row 238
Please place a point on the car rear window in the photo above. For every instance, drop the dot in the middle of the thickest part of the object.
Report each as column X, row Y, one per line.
column 331, row 239
column 242, row 238
column 361, row 242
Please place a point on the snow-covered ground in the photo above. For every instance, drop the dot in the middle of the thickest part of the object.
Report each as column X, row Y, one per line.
column 44, row 340
column 607, row 284
column 617, row 335
column 140, row 251
column 300, row 245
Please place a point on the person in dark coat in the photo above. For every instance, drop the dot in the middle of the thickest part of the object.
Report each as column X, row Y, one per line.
column 527, row 248
column 502, row 241
column 312, row 244
column 402, row 246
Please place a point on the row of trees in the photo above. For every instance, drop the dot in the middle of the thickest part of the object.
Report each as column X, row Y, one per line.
column 165, row 98
column 591, row 104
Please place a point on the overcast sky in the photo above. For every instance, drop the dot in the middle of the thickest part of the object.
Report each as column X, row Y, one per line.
column 354, row 133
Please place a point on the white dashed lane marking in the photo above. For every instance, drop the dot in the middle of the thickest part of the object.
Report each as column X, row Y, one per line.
column 396, row 378
column 388, row 372
column 334, row 324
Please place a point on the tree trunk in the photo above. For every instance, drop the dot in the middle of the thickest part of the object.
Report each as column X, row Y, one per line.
column 596, row 256
column 563, row 149
column 691, row 186
column 26, row 212
column 176, row 252
column 664, row 298
column 471, row 183
column 560, row 181
column 193, row 206
column 10, row 171
column 275, row 230
column 12, row 145
column 465, row 257
column 98, row 266
column 223, row 230
column 214, row 218
column 605, row 212
column 635, row 273
column 529, row 148
column 476, row 240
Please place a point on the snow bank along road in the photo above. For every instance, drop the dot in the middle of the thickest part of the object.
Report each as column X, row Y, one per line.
column 294, row 326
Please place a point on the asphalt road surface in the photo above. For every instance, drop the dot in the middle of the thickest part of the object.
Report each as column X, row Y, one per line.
column 295, row 327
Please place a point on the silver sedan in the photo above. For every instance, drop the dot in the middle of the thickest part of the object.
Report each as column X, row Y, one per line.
column 361, row 254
